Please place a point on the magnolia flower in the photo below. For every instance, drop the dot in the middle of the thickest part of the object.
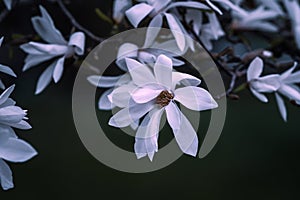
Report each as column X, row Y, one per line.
column 129, row 50
column 288, row 89
column 259, row 85
column 6, row 70
column 12, row 149
column 257, row 19
column 293, row 10
column 58, row 49
column 157, row 10
column 8, row 4
column 154, row 93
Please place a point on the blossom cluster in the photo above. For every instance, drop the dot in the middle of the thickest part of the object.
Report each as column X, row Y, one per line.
column 238, row 34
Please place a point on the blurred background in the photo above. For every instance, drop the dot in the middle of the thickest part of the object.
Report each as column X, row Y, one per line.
column 257, row 156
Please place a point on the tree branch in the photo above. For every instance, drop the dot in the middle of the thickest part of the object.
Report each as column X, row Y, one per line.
column 76, row 24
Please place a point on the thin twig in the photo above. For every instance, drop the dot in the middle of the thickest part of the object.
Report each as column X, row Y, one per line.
column 76, row 24
column 232, row 83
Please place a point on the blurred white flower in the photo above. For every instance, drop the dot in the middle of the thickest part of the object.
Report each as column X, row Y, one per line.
column 119, row 8
column 153, row 92
column 57, row 49
column 157, row 10
column 8, row 4
column 207, row 32
column 289, row 89
column 12, row 149
column 5, row 69
column 258, row 19
column 258, row 84
column 293, row 10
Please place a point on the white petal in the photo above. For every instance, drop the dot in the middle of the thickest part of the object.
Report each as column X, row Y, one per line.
column 58, row 69
column 260, row 96
column 6, row 132
column 173, row 116
column 255, row 69
column 44, row 49
column 121, row 96
column 45, row 27
column 20, row 125
column 268, row 83
column 33, row 60
column 5, row 95
column 6, row 177
column 147, row 135
column 7, row 70
column 140, row 73
column 294, row 78
column 186, row 137
column 128, row 115
column 163, row 71
column 137, row 13
column 153, row 30
column 11, row 114
column 107, row 81
column 45, row 79
column 104, row 103
column 16, row 150
column 120, row 6
column 185, row 79
column 8, row 4
column 127, row 50
column 77, row 40
column 135, row 125
column 290, row 92
column 145, row 94
column 8, row 102
column 195, row 98
column 159, row 5
column 145, row 57
column 176, row 31
column 288, row 73
column 281, row 107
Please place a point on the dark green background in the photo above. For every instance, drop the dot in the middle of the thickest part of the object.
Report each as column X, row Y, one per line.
column 257, row 156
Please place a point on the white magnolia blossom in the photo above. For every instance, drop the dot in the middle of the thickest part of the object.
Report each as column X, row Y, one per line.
column 12, row 148
column 8, row 4
column 293, row 9
column 289, row 89
column 257, row 19
column 129, row 50
column 6, row 70
column 58, row 49
column 165, row 8
column 152, row 92
column 258, row 84
column 284, row 84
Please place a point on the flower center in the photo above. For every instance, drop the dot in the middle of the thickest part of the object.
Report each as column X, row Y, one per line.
column 164, row 98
